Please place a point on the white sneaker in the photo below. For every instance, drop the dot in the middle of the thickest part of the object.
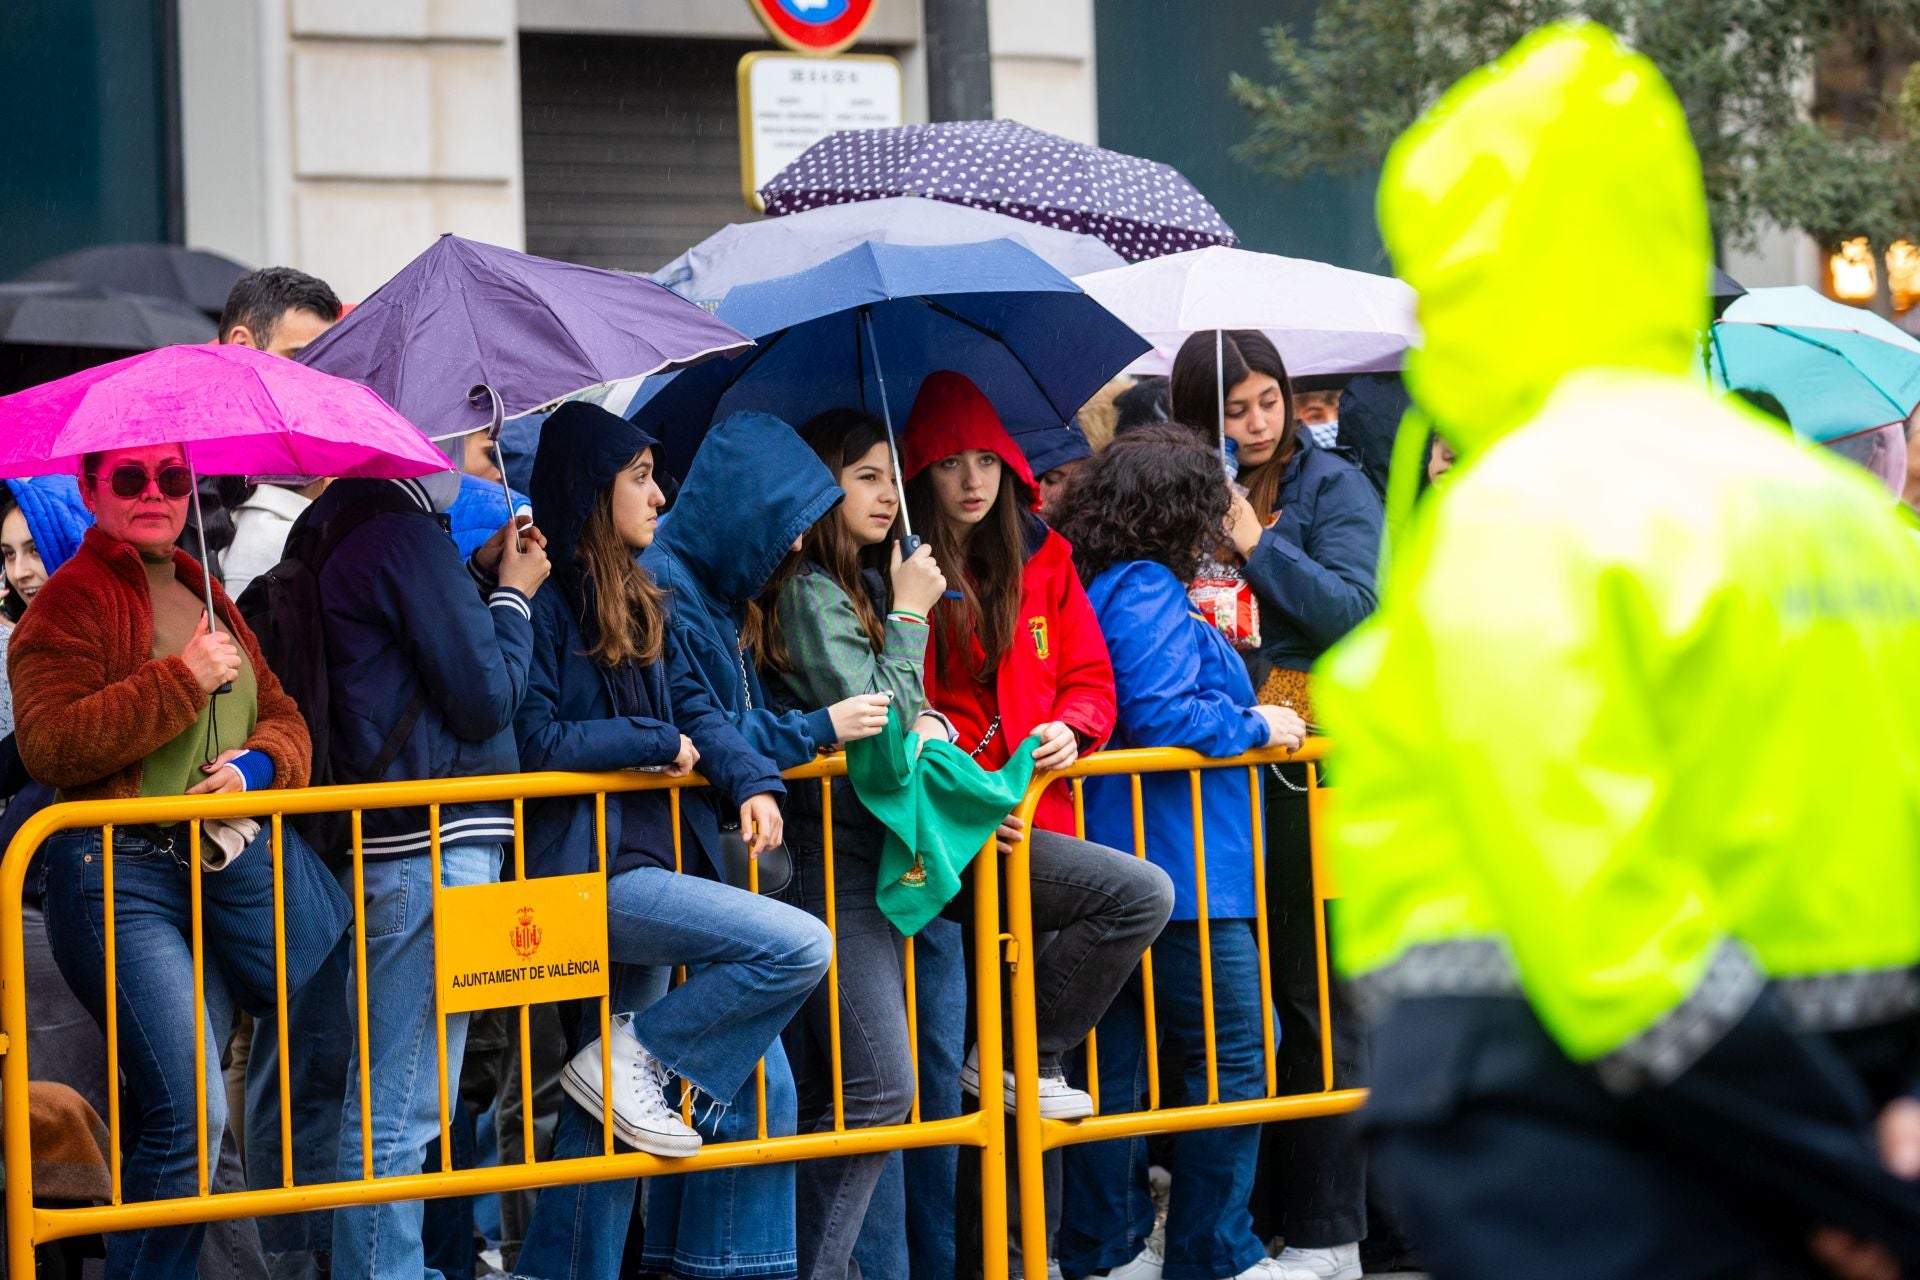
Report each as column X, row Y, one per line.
column 1058, row 1099
column 1146, row 1266
column 642, row 1117
column 1340, row 1262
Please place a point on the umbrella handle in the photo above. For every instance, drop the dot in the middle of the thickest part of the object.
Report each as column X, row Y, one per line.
column 206, row 568
column 908, row 544
column 482, row 396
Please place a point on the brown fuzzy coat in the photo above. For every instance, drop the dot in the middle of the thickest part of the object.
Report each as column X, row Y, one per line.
column 91, row 703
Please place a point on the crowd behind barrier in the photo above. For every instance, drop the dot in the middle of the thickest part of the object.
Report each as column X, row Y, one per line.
column 767, row 982
column 29, row 1226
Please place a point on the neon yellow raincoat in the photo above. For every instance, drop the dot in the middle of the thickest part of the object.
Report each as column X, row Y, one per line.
column 1635, row 727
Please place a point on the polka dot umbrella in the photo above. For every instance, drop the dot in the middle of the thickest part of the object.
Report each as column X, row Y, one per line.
column 1141, row 208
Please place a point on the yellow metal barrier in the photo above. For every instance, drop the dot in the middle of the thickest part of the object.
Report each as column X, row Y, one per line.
column 1035, row 1135
column 29, row 1226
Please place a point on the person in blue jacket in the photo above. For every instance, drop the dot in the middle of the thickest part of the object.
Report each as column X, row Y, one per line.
column 427, row 661
column 1139, row 515
column 753, row 488
column 1307, row 529
column 599, row 698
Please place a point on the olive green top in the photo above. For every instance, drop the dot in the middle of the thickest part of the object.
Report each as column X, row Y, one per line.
column 176, row 766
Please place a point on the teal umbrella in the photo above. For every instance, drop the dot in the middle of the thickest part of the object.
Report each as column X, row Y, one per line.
column 1837, row 370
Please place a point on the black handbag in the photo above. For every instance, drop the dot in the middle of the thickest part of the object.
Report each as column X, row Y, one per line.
column 776, row 864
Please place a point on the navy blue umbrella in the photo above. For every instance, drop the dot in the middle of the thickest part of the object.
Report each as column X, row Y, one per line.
column 864, row 329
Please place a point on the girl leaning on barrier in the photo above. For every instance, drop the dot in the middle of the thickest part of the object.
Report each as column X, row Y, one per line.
column 1308, row 530
column 751, row 491
column 1140, row 516
column 599, row 697
column 844, row 616
column 115, row 671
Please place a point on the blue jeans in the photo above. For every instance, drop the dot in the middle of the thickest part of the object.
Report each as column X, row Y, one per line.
column 158, row 1040
column 1107, row 1211
column 382, row 1242
column 920, row 1244
column 320, row 1070
column 752, row 961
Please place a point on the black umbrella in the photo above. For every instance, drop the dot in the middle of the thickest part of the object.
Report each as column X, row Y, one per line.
column 193, row 276
column 91, row 315
column 48, row 331
column 1723, row 291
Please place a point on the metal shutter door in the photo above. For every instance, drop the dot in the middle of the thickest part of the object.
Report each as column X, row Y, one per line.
column 631, row 146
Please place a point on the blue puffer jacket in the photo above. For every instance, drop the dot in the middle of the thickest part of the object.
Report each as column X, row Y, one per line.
column 478, row 512
column 569, row 719
column 753, row 488
column 1180, row 684
column 403, row 616
column 1313, row 568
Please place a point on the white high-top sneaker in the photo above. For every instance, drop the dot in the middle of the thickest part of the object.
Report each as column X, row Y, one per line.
column 1337, row 1262
column 1058, row 1099
column 642, row 1117
column 1146, row 1265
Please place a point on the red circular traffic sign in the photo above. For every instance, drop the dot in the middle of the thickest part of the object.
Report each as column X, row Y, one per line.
column 813, row 26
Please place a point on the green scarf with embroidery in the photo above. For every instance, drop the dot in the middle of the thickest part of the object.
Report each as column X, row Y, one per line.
column 939, row 808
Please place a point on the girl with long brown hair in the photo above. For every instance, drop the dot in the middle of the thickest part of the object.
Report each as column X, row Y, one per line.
column 847, row 616
column 1308, row 530
column 1017, row 653
column 599, row 697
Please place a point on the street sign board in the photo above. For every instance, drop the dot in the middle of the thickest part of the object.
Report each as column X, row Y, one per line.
column 787, row 104
column 813, row 27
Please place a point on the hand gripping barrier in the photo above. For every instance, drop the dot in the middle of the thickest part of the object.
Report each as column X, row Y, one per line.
column 29, row 1225
column 1035, row 1134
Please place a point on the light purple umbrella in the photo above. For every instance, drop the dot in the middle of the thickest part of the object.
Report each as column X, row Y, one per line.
column 468, row 334
column 233, row 410
column 1139, row 207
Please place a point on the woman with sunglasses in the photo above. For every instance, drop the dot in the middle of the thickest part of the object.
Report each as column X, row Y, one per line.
column 114, row 672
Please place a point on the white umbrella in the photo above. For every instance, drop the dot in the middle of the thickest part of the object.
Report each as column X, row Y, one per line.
column 1324, row 319
column 746, row 252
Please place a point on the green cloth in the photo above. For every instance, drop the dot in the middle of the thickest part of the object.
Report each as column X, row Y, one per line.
column 176, row 766
column 939, row 808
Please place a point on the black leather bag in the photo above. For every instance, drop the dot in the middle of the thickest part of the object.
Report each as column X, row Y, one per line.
column 776, row 864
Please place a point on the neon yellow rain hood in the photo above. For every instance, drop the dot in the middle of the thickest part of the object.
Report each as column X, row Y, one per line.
column 1633, row 729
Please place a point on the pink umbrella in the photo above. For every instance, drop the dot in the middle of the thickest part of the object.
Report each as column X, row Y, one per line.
column 233, row 410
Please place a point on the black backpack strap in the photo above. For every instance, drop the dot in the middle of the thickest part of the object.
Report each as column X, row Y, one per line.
column 397, row 737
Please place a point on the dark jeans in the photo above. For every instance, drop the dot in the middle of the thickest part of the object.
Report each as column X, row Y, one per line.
column 1314, row 1172
column 159, row 1041
column 320, row 1068
column 1095, row 910
column 920, row 1243
column 833, row 1194
column 1108, row 1210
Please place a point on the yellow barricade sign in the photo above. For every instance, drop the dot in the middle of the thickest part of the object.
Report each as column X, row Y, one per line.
column 522, row 942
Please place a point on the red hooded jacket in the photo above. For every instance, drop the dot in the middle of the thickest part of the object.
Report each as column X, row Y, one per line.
column 1057, row 668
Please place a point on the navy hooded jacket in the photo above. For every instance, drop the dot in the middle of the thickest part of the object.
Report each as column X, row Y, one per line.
column 404, row 617
column 753, row 488
column 571, row 717
column 1312, row 569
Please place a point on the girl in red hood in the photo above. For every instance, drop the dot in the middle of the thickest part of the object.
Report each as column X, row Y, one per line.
column 1019, row 653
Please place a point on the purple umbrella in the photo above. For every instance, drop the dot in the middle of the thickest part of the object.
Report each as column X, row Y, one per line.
column 1141, row 208
column 468, row 334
